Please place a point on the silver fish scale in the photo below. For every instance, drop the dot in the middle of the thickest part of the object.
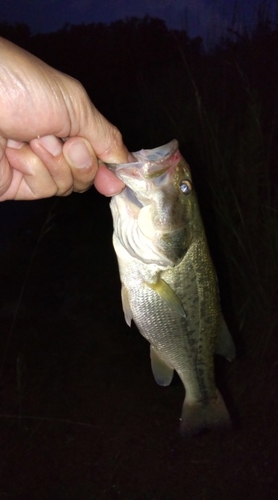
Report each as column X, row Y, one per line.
column 186, row 344
column 169, row 283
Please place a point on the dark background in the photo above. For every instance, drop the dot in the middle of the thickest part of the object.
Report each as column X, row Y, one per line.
column 81, row 416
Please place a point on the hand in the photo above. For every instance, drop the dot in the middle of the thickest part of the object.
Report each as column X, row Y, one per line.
column 39, row 106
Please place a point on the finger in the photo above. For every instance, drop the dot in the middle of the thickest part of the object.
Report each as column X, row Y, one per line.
column 5, row 170
column 31, row 179
column 106, row 182
column 50, row 151
column 82, row 159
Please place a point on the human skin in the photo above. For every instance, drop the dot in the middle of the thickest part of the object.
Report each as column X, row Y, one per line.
column 52, row 138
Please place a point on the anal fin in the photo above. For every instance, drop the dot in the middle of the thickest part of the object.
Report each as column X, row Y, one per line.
column 162, row 372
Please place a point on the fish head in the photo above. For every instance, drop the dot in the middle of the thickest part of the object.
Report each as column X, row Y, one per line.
column 159, row 189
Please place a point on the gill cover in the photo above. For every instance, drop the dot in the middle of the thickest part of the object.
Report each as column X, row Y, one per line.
column 156, row 202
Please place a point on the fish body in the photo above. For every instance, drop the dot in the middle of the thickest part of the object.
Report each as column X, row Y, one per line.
column 169, row 285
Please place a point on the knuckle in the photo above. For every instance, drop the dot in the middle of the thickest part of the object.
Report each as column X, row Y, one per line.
column 116, row 137
column 114, row 141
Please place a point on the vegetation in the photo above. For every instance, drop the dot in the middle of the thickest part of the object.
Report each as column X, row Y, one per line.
column 156, row 84
column 81, row 416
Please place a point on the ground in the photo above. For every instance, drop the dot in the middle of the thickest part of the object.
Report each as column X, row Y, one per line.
column 81, row 415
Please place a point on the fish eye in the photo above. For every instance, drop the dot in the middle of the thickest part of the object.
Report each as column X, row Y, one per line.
column 185, row 187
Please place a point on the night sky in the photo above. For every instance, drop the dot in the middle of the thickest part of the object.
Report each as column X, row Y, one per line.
column 208, row 18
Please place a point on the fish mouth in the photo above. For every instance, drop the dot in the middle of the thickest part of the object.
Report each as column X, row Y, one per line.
column 150, row 164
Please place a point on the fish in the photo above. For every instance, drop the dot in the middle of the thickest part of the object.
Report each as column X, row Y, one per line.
column 169, row 283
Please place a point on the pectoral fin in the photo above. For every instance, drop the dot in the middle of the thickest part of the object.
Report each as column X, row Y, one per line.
column 162, row 372
column 126, row 305
column 168, row 295
column 225, row 344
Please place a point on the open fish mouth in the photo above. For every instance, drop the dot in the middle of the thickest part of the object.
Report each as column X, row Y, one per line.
column 150, row 164
column 153, row 195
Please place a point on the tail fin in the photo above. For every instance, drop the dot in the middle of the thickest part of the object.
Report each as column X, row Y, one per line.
column 199, row 416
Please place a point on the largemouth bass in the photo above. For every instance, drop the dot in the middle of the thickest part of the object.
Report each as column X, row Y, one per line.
column 169, row 285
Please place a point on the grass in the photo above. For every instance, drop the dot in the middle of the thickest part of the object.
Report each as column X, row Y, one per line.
column 231, row 155
column 223, row 134
column 245, row 212
column 20, row 367
column 236, row 151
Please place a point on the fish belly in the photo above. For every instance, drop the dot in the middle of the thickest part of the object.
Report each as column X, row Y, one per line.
column 185, row 344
